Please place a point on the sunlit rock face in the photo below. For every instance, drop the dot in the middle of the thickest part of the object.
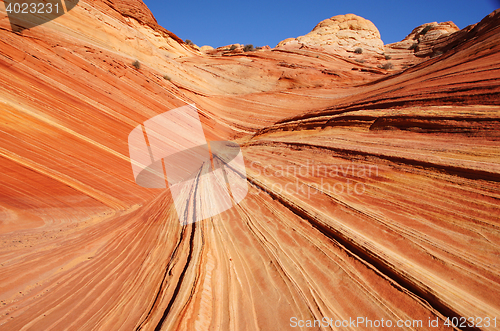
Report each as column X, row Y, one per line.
column 371, row 192
column 342, row 33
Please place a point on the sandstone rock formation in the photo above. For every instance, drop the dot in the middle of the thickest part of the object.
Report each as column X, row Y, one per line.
column 425, row 34
column 422, row 42
column 342, row 33
column 371, row 194
column 206, row 48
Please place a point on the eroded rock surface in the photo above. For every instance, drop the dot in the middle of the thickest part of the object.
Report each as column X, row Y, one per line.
column 341, row 33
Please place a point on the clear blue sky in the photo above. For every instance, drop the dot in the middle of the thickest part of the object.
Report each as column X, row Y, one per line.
column 266, row 22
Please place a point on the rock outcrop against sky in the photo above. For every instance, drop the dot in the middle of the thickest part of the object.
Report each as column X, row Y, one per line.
column 373, row 190
column 340, row 33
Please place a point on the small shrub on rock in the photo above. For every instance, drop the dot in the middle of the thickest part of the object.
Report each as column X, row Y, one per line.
column 233, row 47
column 358, row 50
column 248, row 48
column 189, row 42
column 388, row 57
column 136, row 64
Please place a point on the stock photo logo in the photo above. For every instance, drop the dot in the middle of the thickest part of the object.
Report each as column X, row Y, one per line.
column 26, row 14
column 204, row 178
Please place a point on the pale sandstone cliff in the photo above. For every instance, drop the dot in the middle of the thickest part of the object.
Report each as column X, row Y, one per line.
column 83, row 247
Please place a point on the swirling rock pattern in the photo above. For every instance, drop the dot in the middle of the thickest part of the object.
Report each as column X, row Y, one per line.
column 370, row 195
